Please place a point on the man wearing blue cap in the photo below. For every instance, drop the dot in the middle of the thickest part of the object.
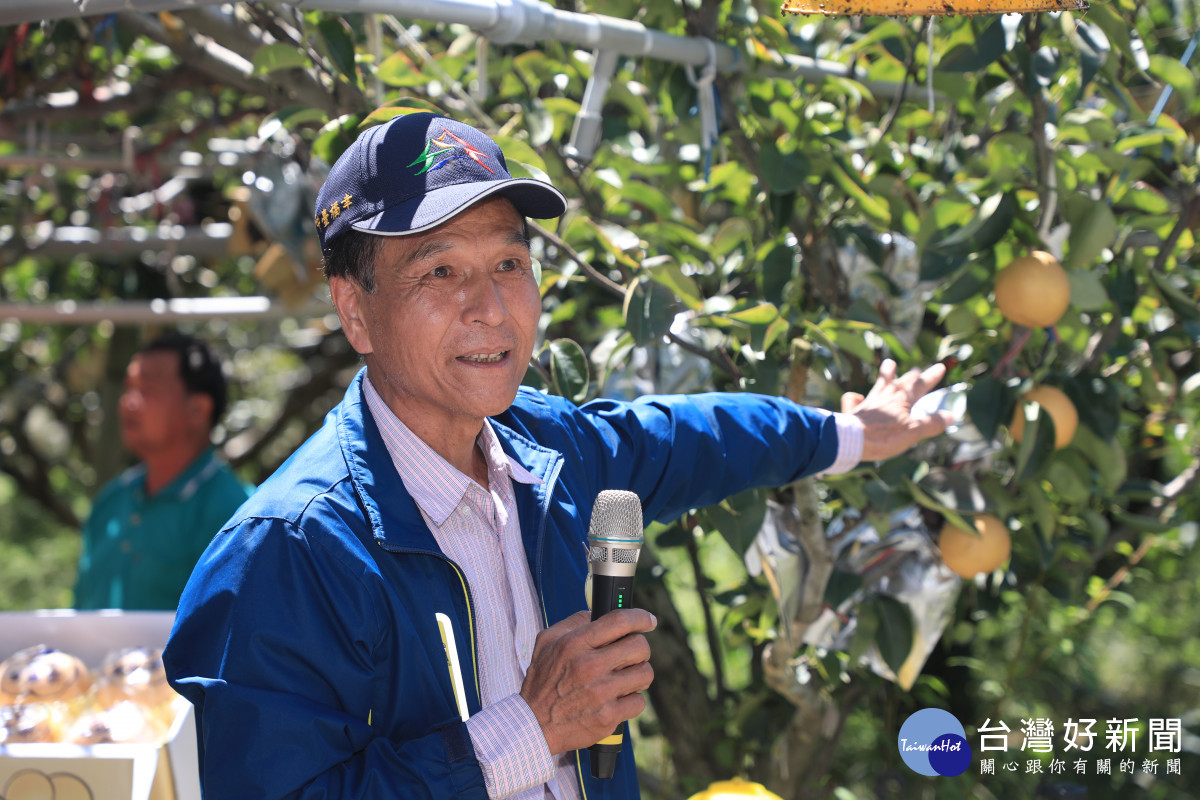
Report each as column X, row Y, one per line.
column 399, row 611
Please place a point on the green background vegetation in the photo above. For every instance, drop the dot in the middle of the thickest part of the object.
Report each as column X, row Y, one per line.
column 842, row 218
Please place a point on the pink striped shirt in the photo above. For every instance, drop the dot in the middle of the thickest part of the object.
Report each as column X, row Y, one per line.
column 478, row 529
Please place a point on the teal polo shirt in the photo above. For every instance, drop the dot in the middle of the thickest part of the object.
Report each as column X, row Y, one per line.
column 139, row 551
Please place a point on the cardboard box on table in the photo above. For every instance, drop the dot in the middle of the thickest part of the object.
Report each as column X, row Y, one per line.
column 103, row 771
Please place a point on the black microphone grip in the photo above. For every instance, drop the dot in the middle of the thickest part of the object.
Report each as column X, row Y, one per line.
column 609, row 592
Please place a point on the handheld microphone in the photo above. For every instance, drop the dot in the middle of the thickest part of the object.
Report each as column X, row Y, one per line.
column 615, row 541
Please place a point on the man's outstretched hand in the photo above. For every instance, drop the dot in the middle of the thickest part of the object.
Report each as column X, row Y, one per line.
column 888, row 426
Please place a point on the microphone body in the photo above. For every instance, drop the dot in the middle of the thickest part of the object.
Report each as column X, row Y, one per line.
column 614, row 543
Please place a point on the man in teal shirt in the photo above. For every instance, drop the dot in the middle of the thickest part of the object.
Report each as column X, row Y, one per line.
column 149, row 525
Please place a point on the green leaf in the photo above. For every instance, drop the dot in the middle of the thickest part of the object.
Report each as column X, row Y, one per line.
column 987, row 227
column 974, row 56
column 738, row 518
column 841, row 587
column 271, row 57
column 522, row 160
column 1087, row 291
column 990, row 404
column 399, row 71
column 669, row 274
column 1043, row 516
column 1093, row 228
column 1115, row 28
column 866, row 626
column 1066, row 482
column 649, row 310
column 569, row 370
column 1142, row 138
column 1046, row 63
column 340, row 46
column 1108, row 459
column 1037, row 442
column 731, row 233
column 851, row 183
column 1145, row 198
column 334, row 137
column 539, row 121
column 1093, row 50
column 399, row 107
column 784, row 173
column 937, row 265
column 1179, row 302
column 778, row 267
column 1097, row 401
column 926, row 500
column 1142, row 523
column 971, row 281
column 290, row 119
column 1174, row 73
column 761, row 314
column 894, row 636
column 954, row 489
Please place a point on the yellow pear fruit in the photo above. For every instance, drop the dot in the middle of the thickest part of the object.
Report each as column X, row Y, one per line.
column 1033, row 290
column 735, row 789
column 1055, row 403
column 969, row 553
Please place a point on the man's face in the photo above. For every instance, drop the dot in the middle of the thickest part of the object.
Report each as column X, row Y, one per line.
column 448, row 332
column 154, row 403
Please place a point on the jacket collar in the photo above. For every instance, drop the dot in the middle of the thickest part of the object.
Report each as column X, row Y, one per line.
column 395, row 519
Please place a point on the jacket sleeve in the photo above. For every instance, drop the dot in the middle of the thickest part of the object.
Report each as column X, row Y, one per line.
column 680, row 452
column 277, row 647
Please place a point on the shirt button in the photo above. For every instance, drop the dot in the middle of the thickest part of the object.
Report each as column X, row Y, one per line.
column 466, row 512
column 126, row 546
column 135, row 518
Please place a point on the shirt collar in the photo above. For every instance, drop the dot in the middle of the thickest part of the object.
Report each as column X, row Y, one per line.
column 435, row 484
column 183, row 485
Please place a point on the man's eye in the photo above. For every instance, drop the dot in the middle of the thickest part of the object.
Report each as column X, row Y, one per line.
column 440, row 272
column 510, row 265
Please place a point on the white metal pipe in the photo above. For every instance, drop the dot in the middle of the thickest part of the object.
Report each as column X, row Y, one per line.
column 13, row 12
column 178, row 309
column 205, row 241
column 585, row 134
column 501, row 21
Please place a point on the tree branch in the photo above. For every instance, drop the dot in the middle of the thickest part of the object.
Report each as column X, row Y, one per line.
column 286, row 87
column 710, row 626
column 680, row 692
column 35, row 484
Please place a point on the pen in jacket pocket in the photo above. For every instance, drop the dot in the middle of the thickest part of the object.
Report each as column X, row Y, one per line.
column 446, row 629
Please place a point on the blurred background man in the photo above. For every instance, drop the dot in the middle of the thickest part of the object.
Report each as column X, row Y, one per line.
column 149, row 525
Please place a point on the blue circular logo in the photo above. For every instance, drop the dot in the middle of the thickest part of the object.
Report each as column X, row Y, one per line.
column 933, row 742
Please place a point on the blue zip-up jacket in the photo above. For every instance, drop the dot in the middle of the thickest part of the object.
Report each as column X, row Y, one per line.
column 306, row 637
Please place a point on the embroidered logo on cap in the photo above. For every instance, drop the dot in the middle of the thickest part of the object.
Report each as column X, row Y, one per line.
column 439, row 152
column 334, row 211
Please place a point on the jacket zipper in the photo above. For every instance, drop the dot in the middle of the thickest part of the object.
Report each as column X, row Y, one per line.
column 462, row 579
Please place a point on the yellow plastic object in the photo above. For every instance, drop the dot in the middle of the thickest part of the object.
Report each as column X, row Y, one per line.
column 926, row 8
column 735, row 789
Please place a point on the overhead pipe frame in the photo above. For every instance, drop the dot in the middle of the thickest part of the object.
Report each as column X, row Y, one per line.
column 501, row 22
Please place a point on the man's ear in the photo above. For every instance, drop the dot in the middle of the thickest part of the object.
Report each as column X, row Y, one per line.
column 348, row 300
column 199, row 407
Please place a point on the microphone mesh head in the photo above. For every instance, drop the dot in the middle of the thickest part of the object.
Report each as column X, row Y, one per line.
column 617, row 514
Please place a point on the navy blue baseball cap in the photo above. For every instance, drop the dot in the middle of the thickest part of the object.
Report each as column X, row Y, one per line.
column 416, row 171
